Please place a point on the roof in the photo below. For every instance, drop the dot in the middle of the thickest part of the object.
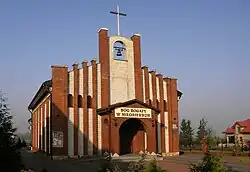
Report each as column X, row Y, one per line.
column 245, row 124
column 111, row 107
column 43, row 90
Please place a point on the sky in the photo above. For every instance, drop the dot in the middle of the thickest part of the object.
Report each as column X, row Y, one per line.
column 204, row 44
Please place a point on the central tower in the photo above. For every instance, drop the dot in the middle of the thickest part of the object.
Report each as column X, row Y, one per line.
column 120, row 59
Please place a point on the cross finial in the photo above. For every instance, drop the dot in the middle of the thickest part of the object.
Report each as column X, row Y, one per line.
column 118, row 14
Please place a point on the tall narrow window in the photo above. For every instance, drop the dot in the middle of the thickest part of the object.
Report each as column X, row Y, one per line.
column 150, row 102
column 157, row 104
column 165, row 106
column 70, row 100
column 89, row 101
column 79, row 101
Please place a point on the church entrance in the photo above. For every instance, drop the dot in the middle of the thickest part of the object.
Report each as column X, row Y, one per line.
column 132, row 136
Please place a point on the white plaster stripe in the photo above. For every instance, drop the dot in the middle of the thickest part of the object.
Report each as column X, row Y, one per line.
column 41, row 129
column 143, row 86
column 145, row 141
column 166, row 132
column 90, row 142
column 90, row 90
column 99, row 121
column 81, row 82
column 99, row 85
column 49, row 126
column 80, row 133
column 159, row 133
column 157, row 89
column 45, row 129
column 71, row 132
column 71, row 83
column 165, row 90
column 38, row 128
column 150, row 86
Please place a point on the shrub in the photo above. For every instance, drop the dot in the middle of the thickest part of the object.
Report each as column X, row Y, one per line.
column 209, row 163
column 153, row 167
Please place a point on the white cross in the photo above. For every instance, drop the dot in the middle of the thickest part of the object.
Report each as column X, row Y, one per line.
column 118, row 14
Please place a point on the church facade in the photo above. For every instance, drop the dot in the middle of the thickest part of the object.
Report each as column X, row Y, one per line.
column 111, row 105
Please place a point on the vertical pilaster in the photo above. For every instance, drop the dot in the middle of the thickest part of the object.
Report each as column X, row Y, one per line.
column 161, row 107
column 137, row 66
column 59, row 105
column 105, row 100
column 146, row 83
column 174, row 115
column 169, row 107
column 75, row 106
column 94, row 105
column 84, row 107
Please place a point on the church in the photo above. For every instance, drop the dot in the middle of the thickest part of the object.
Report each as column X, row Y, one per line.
column 109, row 105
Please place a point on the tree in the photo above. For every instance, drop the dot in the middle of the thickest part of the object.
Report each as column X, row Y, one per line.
column 24, row 144
column 183, row 131
column 19, row 143
column 10, row 157
column 186, row 133
column 202, row 130
column 190, row 133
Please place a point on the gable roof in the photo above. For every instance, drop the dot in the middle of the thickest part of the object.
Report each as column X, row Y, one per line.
column 111, row 107
column 245, row 124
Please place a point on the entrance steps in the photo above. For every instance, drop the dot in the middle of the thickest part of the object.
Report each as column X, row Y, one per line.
column 135, row 157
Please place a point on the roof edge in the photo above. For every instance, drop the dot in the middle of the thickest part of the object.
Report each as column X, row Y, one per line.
column 111, row 107
column 44, row 88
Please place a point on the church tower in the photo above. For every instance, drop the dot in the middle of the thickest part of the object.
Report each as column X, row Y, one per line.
column 120, row 59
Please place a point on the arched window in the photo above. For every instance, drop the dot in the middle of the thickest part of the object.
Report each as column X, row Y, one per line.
column 79, row 101
column 119, row 50
column 89, row 101
column 70, row 100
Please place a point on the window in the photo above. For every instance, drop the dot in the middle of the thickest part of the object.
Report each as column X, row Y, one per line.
column 157, row 104
column 119, row 50
column 89, row 101
column 150, row 102
column 231, row 139
column 239, row 129
column 79, row 101
column 165, row 106
column 70, row 100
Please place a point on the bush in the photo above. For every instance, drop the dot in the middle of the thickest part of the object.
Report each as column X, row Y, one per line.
column 153, row 167
column 209, row 163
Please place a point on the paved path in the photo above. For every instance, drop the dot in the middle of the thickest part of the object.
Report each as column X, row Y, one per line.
column 228, row 162
column 38, row 162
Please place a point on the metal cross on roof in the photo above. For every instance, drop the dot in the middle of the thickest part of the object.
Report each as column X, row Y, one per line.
column 118, row 14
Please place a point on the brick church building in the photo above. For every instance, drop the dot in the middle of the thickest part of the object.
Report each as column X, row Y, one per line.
column 110, row 105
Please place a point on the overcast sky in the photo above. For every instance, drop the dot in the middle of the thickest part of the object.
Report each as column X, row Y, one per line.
column 205, row 44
